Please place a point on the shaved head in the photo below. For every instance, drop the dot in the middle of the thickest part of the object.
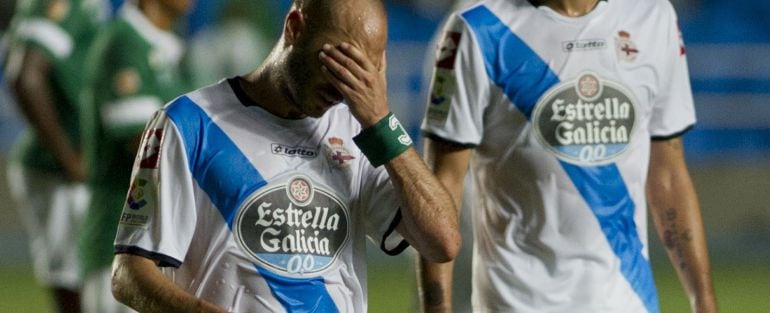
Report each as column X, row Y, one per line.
column 362, row 21
column 294, row 67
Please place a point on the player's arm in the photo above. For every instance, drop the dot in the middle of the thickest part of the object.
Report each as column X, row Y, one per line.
column 37, row 103
column 429, row 217
column 676, row 213
column 138, row 283
column 434, row 280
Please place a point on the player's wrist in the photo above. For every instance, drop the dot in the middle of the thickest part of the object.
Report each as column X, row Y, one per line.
column 384, row 140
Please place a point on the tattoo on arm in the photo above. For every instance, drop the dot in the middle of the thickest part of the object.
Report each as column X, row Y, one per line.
column 674, row 238
column 434, row 294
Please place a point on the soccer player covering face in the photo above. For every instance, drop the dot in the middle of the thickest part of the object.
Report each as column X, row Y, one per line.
column 569, row 115
column 257, row 194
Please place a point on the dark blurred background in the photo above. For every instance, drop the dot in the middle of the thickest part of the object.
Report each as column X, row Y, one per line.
column 728, row 45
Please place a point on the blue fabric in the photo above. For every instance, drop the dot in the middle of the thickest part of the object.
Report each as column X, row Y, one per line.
column 524, row 77
column 300, row 295
column 228, row 178
column 509, row 62
column 216, row 163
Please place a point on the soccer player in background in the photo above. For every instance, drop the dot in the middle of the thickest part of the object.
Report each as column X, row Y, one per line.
column 570, row 115
column 257, row 193
column 49, row 39
column 133, row 69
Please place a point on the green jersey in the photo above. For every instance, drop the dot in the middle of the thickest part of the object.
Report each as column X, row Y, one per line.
column 133, row 69
column 62, row 30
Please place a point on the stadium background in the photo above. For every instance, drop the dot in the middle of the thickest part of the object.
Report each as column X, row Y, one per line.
column 728, row 44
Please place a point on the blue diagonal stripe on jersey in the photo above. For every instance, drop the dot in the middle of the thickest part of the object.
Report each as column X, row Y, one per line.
column 228, row 178
column 524, row 77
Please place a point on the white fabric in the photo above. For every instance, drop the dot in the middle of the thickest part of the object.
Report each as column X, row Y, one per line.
column 181, row 220
column 52, row 210
column 130, row 111
column 539, row 246
column 47, row 34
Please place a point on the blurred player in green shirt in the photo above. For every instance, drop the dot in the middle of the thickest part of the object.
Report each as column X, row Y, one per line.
column 48, row 40
column 133, row 69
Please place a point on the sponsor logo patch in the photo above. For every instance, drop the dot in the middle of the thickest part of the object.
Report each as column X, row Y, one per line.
column 295, row 228
column 292, row 151
column 443, row 88
column 583, row 45
column 587, row 121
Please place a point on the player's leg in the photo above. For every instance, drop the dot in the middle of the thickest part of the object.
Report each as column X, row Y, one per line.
column 45, row 207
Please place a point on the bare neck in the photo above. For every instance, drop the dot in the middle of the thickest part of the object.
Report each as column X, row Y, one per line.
column 267, row 87
column 572, row 8
column 158, row 14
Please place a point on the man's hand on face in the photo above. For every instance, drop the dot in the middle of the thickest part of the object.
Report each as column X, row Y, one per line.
column 358, row 79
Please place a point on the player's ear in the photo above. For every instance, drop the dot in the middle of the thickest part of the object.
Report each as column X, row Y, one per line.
column 294, row 26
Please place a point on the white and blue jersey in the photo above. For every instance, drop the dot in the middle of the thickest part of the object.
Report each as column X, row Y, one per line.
column 561, row 112
column 255, row 213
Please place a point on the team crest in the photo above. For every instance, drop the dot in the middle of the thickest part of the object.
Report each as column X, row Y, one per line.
column 296, row 228
column 586, row 121
column 338, row 154
column 627, row 50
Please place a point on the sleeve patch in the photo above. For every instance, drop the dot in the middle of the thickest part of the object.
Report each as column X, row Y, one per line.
column 150, row 150
column 441, row 92
column 138, row 204
column 447, row 52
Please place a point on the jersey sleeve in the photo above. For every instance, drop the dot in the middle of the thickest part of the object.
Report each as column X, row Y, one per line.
column 459, row 89
column 159, row 217
column 381, row 205
column 673, row 110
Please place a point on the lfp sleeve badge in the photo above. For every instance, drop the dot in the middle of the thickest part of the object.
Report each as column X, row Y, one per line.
column 587, row 121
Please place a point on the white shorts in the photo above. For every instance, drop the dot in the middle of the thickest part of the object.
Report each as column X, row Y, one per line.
column 51, row 209
column 96, row 296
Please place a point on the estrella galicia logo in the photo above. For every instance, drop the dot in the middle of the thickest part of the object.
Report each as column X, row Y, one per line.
column 290, row 151
column 296, row 227
column 587, row 120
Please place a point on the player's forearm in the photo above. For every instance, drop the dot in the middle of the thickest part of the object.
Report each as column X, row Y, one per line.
column 434, row 282
column 144, row 288
column 676, row 213
column 429, row 216
column 680, row 228
column 38, row 104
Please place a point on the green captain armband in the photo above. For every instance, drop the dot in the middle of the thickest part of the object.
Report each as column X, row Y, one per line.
column 383, row 141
